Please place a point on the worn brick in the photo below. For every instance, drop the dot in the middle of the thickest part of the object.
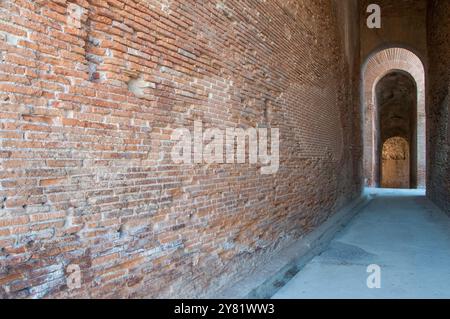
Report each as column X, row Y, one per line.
column 89, row 103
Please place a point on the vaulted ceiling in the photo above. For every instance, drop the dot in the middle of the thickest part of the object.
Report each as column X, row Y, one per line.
column 396, row 98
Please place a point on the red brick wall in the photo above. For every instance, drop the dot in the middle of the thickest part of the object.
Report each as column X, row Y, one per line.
column 86, row 177
column 439, row 101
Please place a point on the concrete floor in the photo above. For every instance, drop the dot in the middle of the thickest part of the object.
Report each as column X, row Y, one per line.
column 403, row 233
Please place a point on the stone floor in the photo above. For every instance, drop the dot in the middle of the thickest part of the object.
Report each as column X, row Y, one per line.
column 402, row 232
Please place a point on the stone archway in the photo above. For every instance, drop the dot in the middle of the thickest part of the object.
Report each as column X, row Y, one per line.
column 377, row 66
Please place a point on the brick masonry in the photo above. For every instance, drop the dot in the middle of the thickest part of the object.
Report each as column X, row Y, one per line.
column 439, row 126
column 90, row 92
column 403, row 24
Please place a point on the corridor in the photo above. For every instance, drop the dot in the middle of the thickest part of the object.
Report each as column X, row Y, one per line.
column 399, row 230
column 169, row 149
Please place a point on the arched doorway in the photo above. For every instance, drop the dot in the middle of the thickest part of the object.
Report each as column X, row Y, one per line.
column 394, row 80
column 395, row 163
column 396, row 102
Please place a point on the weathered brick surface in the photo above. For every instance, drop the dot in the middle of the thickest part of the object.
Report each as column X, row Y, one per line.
column 439, row 103
column 403, row 24
column 90, row 92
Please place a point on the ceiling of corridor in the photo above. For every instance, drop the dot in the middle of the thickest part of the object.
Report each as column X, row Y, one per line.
column 396, row 97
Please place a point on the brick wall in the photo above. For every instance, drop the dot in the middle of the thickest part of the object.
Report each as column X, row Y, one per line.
column 439, row 103
column 90, row 92
column 403, row 24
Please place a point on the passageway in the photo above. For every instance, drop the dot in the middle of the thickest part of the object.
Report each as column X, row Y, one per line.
column 190, row 149
column 403, row 233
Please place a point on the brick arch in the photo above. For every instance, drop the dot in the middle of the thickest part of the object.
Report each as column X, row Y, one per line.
column 377, row 66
